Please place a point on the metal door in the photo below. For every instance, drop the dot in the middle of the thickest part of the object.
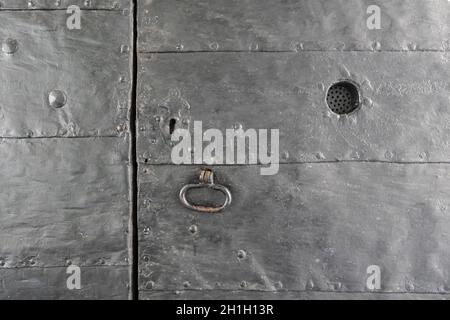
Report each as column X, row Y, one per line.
column 353, row 191
column 362, row 177
column 64, row 149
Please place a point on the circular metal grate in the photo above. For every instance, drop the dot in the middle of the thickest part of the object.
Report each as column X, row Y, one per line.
column 343, row 97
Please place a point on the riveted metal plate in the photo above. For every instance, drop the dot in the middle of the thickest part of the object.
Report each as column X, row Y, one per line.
column 403, row 116
column 295, row 25
column 63, row 4
column 311, row 228
column 91, row 66
column 50, row 284
column 64, row 201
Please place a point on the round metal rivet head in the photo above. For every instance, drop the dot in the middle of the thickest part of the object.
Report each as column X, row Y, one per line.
column 149, row 285
column 57, row 99
column 241, row 254
column 10, row 46
column 193, row 229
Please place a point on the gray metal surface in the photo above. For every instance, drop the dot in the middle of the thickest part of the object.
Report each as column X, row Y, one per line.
column 98, row 282
column 63, row 4
column 283, row 295
column 87, row 64
column 267, row 25
column 312, row 227
column 69, row 206
column 64, row 150
column 365, row 189
column 403, row 116
column 63, row 202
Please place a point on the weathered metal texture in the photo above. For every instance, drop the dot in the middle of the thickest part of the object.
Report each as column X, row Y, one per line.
column 311, row 231
column 64, row 201
column 404, row 115
column 91, row 66
column 63, row 4
column 266, row 25
column 283, row 295
column 64, row 149
column 311, row 228
column 98, row 282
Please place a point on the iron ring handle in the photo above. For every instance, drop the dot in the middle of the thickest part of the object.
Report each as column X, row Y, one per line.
column 206, row 181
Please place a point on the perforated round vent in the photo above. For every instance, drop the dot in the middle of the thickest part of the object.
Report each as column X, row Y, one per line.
column 343, row 97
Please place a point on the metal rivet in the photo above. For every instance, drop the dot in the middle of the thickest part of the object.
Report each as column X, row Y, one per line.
column 124, row 48
column 10, row 46
column 214, row 46
column 241, row 254
column 149, row 285
column 57, row 99
column 409, row 286
column 376, row 46
column 310, row 285
column 193, row 229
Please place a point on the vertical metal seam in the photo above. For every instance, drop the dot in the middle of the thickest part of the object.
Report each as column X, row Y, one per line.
column 133, row 159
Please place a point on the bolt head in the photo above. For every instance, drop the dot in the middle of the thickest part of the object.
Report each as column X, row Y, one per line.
column 57, row 99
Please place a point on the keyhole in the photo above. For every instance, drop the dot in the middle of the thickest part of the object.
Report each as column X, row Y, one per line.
column 172, row 124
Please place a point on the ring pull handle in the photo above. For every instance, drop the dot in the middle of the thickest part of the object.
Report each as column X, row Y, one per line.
column 206, row 180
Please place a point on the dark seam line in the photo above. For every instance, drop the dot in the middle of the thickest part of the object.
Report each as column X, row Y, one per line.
column 133, row 155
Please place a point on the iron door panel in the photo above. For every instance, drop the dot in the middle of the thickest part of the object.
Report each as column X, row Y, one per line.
column 50, row 283
column 65, row 199
column 266, row 25
column 311, row 228
column 403, row 116
column 64, row 202
column 89, row 65
column 353, row 190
